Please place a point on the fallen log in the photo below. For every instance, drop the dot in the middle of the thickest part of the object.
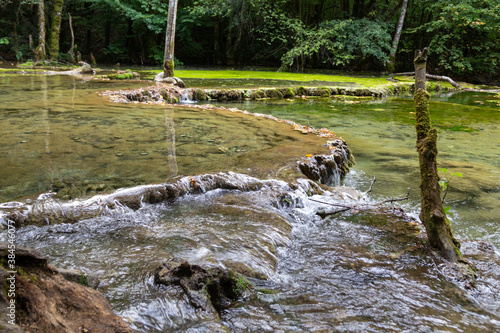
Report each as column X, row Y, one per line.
column 441, row 78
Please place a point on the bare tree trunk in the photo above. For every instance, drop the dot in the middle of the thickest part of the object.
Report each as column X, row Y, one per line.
column 41, row 54
column 72, row 49
column 168, row 64
column 55, row 28
column 432, row 213
column 397, row 36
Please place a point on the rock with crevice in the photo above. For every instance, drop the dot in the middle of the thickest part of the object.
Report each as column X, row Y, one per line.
column 328, row 169
column 210, row 289
column 46, row 302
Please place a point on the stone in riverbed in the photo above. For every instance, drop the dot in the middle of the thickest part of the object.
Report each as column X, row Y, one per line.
column 207, row 289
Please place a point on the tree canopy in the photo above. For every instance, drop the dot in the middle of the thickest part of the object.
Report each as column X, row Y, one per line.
column 462, row 35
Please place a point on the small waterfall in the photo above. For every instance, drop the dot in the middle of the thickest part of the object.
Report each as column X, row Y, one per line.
column 186, row 97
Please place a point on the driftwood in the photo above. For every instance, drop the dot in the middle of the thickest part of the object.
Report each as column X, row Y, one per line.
column 441, row 78
column 85, row 69
column 357, row 207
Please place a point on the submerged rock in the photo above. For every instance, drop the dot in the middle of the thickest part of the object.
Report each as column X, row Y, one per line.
column 46, row 302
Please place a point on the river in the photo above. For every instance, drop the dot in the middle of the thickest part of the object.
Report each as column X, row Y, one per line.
column 345, row 273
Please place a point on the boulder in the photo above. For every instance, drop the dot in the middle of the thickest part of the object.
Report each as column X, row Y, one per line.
column 172, row 80
column 47, row 302
column 210, row 289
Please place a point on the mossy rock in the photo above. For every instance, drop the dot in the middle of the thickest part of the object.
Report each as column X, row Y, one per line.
column 120, row 76
column 288, row 93
column 200, row 95
column 168, row 96
column 274, row 93
column 320, row 92
column 302, row 91
column 234, row 95
column 256, row 94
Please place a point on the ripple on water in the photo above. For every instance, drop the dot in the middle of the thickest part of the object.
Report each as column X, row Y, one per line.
column 354, row 272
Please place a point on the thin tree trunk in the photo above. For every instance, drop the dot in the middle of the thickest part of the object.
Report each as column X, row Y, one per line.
column 217, row 34
column 16, row 38
column 72, row 49
column 432, row 213
column 397, row 36
column 168, row 64
column 55, row 28
column 41, row 54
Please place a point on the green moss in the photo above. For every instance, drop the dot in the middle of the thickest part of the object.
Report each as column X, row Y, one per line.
column 323, row 92
column 241, row 284
column 302, row 91
column 83, row 280
column 266, row 291
column 200, row 95
column 275, row 75
column 121, row 76
column 27, row 64
column 274, row 93
column 257, row 94
column 288, row 93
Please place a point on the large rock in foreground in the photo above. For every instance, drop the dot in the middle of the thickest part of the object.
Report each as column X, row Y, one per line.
column 46, row 302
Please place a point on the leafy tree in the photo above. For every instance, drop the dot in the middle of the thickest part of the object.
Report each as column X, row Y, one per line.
column 464, row 35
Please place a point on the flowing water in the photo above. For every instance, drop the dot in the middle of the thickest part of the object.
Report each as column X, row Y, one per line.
column 353, row 272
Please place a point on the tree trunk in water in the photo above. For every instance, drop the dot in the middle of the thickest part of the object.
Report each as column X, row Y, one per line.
column 40, row 52
column 432, row 213
column 397, row 36
column 168, row 64
column 55, row 28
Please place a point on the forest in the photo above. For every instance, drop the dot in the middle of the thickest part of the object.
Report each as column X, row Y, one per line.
column 293, row 35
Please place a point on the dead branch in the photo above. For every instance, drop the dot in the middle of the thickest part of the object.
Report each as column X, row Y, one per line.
column 441, row 78
column 327, row 203
column 397, row 199
column 430, row 76
column 371, row 185
column 360, row 207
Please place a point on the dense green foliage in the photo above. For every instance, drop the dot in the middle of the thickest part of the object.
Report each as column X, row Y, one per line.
column 463, row 35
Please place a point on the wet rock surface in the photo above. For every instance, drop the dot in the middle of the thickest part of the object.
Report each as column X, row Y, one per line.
column 210, row 289
column 328, row 169
column 46, row 302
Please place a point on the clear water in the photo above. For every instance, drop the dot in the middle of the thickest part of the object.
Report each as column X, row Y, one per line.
column 381, row 134
column 354, row 272
column 58, row 134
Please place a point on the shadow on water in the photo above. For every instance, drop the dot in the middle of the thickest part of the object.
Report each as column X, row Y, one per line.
column 353, row 272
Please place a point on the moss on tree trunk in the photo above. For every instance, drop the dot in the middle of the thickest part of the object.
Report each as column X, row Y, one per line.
column 55, row 28
column 432, row 212
column 168, row 64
